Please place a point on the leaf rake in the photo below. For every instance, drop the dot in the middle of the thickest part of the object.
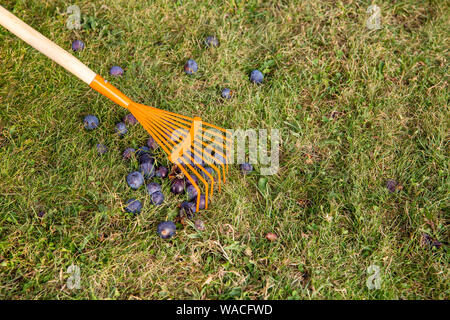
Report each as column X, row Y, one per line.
column 189, row 143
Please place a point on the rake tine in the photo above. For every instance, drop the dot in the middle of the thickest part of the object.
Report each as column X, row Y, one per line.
column 156, row 133
column 195, row 184
column 211, row 179
column 220, row 153
column 187, row 174
column 170, row 132
column 211, row 164
column 224, row 145
column 191, row 159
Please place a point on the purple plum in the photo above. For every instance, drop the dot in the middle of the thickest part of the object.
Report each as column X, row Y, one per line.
column 227, row 93
column 77, row 45
column 191, row 192
column 391, row 185
column 177, row 186
column 130, row 119
column 91, row 122
column 135, row 180
column 190, row 67
column 157, row 198
column 116, row 71
column 151, row 143
column 166, row 229
column 202, row 204
column 256, row 76
column 152, row 187
column 142, row 150
column 187, row 210
column 128, row 153
column 210, row 171
column 162, row 172
column 133, row 206
column 147, row 169
column 146, row 157
column 211, row 41
column 195, row 178
column 121, row 128
column 246, row 168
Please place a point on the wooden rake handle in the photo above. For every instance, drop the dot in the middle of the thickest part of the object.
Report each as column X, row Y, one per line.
column 61, row 57
column 45, row 46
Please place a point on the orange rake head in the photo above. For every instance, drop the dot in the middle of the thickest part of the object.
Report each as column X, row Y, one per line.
column 190, row 143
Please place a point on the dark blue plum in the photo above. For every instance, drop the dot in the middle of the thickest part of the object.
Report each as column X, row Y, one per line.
column 226, row 93
column 91, row 122
column 142, row 150
column 146, row 157
column 77, row 45
column 151, row 143
column 246, row 168
column 152, row 187
column 187, row 210
column 194, row 177
column 130, row 119
column 133, row 206
column 128, row 153
column 191, row 192
column 391, row 185
column 177, row 186
column 190, row 67
column 157, row 198
column 162, row 172
column 135, row 180
column 256, row 76
column 116, row 71
column 202, row 203
column 166, row 229
column 101, row 149
column 210, row 171
column 121, row 128
column 147, row 169
column 211, row 41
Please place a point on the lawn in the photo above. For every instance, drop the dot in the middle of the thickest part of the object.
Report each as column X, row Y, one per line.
column 355, row 108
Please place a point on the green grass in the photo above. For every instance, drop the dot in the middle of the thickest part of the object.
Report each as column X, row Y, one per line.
column 328, row 203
